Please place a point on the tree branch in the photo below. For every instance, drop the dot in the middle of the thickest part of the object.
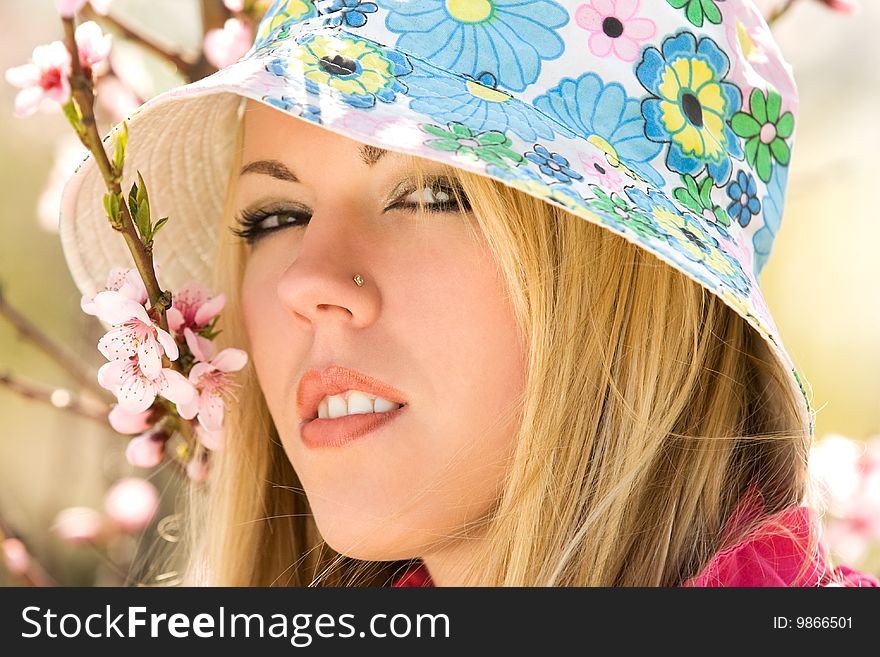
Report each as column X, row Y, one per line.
column 80, row 372
column 95, row 411
column 81, row 90
column 183, row 64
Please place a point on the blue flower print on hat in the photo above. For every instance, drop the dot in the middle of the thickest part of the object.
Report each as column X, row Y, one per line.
column 278, row 19
column 606, row 117
column 359, row 70
column 352, row 13
column 687, row 236
column 691, row 105
column 744, row 203
column 478, row 103
column 553, row 165
column 508, row 38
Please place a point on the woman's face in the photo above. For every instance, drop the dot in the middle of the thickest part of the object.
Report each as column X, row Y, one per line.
column 431, row 320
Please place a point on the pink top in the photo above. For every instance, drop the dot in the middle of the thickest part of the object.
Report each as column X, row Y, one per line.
column 766, row 557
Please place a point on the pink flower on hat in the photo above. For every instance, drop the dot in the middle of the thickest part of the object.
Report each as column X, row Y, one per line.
column 210, row 377
column 597, row 169
column 79, row 524
column 614, row 27
column 46, row 77
column 193, row 307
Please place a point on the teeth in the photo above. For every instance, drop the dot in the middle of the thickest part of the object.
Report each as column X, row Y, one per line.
column 353, row 402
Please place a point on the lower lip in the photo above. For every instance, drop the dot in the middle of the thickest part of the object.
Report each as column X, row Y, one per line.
column 335, row 432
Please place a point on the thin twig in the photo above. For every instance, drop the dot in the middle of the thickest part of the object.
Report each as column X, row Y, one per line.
column 81, row 90
column 91, row 410
column 183, row 64
column 780, row 10
column 80, row 372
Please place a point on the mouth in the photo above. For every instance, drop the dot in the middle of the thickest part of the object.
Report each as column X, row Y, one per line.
column 343, row 384
column 336, row 432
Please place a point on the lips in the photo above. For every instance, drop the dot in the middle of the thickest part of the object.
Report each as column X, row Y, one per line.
column 317, row 384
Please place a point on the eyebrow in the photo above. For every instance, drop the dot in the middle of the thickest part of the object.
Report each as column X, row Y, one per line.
column 277, row 169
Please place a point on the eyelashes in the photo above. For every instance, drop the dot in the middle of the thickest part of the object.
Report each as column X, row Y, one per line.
column 438, row 194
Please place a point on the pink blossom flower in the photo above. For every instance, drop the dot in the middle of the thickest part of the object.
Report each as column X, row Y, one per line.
column 226, row 46
column 67, row 8
column 146, row 450
column 79, row 524
column 614, row 27
column 197, row 468
column 136, row 392
column 128, row 423
column 234, row 6
column 94, row 48
column 128, row 282
column 132, row 503
column 843, row 6
column 597, row 168
column 132, row 333
column 46, row 77
column 193, row 307
column 212, row 440
column 210, row 377
column 15, row 556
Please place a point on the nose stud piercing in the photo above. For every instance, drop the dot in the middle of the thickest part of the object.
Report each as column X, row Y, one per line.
column 358, row 280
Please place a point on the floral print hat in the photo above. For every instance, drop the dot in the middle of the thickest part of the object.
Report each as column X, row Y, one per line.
column 669, row 122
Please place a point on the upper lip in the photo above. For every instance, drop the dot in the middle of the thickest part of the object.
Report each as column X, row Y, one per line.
column 317, row 384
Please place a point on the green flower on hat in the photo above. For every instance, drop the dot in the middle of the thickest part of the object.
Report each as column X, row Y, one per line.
column 614, row 209
column 490, row 146
column 765, row 132
column 360, row 70
column 697, row 10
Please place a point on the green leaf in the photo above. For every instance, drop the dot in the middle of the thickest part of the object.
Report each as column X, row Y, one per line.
column 705, row 191
column 687, row 199
column 712, row 12
column 142, row 196
column 132, row 200
column 157, row 227
column 119, row 148
column 721, row 216
column 71, row 112
column 691, row 184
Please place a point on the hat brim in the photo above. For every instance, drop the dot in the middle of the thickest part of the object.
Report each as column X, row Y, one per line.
column 181, row 142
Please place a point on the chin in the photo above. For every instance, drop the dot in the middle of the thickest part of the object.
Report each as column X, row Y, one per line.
column 365, row 540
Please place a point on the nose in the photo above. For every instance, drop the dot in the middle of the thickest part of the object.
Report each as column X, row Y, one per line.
column 319, row 286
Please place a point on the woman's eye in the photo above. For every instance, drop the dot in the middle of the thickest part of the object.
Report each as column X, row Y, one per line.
column 436, row 197
column 255, row 224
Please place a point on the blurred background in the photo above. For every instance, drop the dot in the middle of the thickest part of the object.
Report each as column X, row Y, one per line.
column 820, row 283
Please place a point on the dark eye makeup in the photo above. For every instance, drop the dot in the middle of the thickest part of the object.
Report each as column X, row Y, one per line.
column 438, row 195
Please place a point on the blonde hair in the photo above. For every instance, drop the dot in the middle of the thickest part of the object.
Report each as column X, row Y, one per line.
column 649, row 410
